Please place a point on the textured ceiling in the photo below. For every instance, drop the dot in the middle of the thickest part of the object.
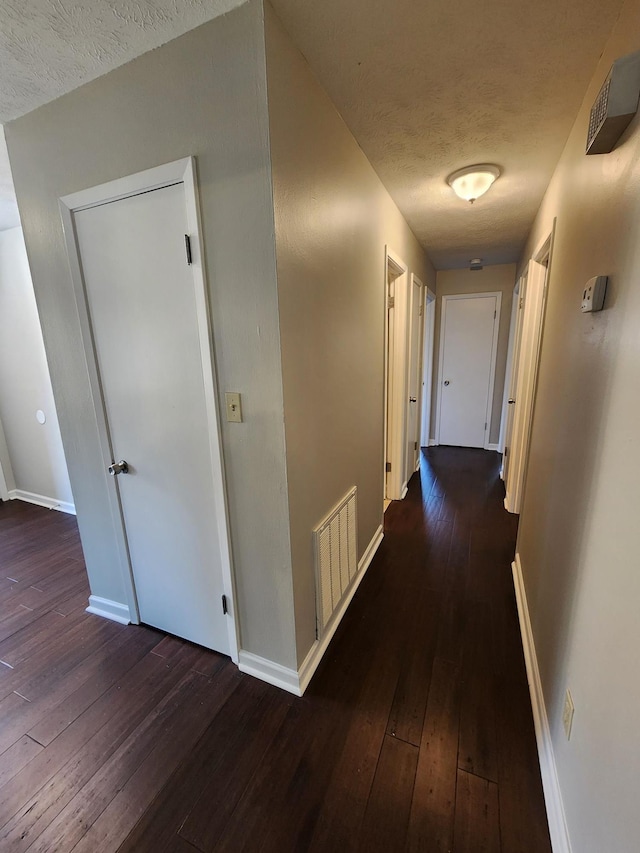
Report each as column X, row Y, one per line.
column 426, row 86
column 49, row 47
column 429, row 87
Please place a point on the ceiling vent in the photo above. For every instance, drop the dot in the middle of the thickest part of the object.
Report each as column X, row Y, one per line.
column 615, row 106
column 475, row 264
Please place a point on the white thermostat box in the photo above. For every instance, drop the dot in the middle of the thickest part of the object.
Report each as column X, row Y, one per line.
column 593, row 295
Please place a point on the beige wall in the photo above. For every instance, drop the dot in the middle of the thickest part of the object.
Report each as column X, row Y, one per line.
column 579, row 536
column 333, row 219
column 500, row 277
column 203, row 94
column 35, row 450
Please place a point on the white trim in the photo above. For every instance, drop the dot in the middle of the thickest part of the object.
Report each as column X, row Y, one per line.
column 506, row 394
column 495, row 447
column 317, row 650
column 558, row 829
column 433, row 442
column 494, row 355
column 41, row 500
column 178, row 172
column 427, row 368
column 297, row 682
column 396, row 349
column 108, row 609
column 273, row 673
column 7, row 482
column 413, row 442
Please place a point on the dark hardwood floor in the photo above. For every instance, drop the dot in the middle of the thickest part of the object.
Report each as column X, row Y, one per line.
column 415, row 734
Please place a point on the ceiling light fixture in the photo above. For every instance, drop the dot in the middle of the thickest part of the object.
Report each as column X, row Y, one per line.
column 473, row 181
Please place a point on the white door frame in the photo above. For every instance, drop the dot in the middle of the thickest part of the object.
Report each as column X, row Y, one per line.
column 494, row 354
column 528, row 362
column 427, row 366
column 396, row 285
column 180, row 171
column 7, row 482
column 414, row 463
column 509, row 368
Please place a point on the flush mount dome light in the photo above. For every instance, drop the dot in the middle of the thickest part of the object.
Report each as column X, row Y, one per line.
column 473, row 181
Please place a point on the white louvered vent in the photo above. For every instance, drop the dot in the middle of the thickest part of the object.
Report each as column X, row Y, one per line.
column 336, row 556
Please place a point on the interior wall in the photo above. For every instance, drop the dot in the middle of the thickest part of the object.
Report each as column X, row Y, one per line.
column 203, row 94
column 500, row 277
column 579, row 536
column 333, row 218
column 35, row 450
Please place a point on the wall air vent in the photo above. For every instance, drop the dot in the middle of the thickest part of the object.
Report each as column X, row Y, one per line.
column 336, row 557
column 615, row 106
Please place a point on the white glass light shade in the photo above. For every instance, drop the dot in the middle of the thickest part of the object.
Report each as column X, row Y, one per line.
column 473, row 181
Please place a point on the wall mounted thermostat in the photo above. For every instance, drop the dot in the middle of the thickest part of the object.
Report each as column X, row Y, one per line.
column 593, row 294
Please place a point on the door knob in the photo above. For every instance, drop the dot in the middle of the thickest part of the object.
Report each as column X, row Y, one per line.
column 446, row 381
column 413, row 400
column 120, row 467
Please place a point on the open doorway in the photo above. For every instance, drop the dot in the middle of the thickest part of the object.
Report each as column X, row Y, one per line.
column 427, row 365
column 395, row 373
column 527, row 340
column 414, row 376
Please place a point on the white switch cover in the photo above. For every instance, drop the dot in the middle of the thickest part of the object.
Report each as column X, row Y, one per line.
column 234, row 407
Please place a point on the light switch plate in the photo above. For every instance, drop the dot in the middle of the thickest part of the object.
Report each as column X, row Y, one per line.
column 234, row 407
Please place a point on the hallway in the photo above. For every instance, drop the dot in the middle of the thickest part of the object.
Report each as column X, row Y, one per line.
column 415, row 734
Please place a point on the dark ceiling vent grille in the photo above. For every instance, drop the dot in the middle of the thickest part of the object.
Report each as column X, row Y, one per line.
column 615, row 106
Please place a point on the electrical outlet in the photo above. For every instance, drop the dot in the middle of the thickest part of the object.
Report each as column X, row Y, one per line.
column 567, row 714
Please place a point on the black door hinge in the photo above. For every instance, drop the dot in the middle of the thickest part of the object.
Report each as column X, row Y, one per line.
column 187, row 245
column 387, row 467
column 225, row 608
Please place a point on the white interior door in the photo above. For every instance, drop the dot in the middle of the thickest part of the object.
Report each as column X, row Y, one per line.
column 468, row 345
column 415, row 358
column 144, row 320
column 526, row 372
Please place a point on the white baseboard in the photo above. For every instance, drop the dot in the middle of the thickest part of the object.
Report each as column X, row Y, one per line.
column 433, row 442
column 317, row 650
column 495, row 447
column 41, row 500
column 558, row 830
column 296, row 682
column 404, row 491
column 109, row 609
column 267, row 670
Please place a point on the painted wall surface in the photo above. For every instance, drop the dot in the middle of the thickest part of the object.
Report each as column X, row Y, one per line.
column 333, row 219
column 203, row 94
column 500, row 277
column 579, row 536
column 35, row 450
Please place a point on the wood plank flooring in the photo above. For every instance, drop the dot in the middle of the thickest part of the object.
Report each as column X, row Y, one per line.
column 415, row 734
